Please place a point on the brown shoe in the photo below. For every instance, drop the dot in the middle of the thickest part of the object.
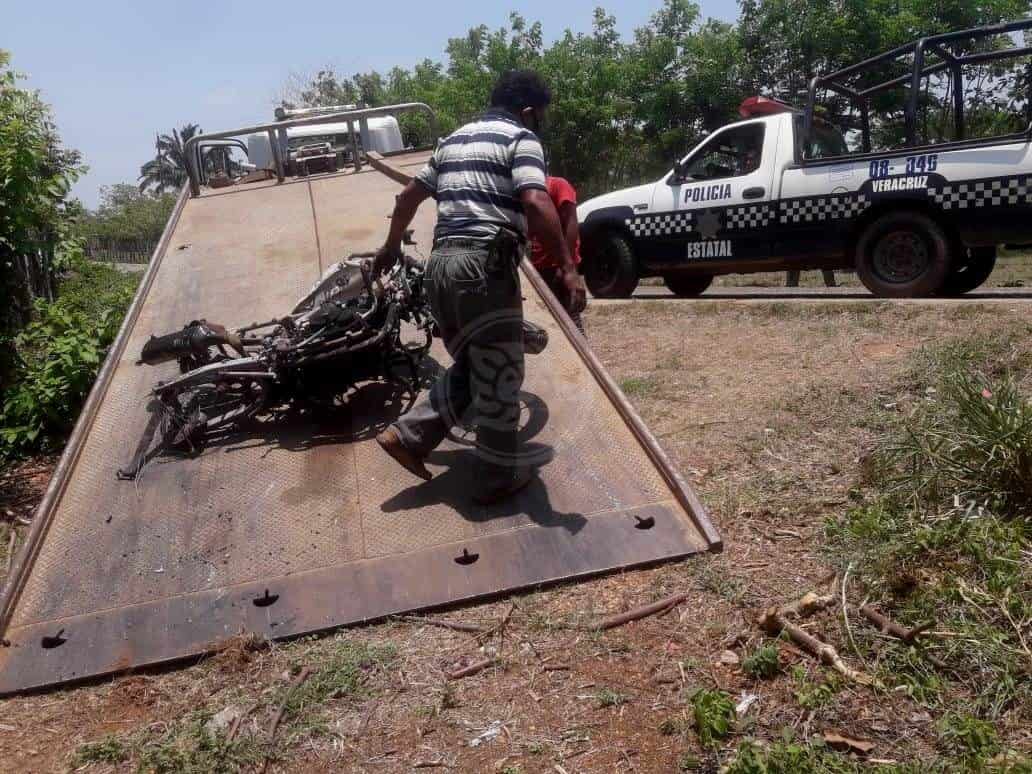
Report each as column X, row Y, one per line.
column 391, row 443
column 499, row 493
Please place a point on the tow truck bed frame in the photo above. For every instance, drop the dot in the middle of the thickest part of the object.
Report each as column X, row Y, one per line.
column 301, row 527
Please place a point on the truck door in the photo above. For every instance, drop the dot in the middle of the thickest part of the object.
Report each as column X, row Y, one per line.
column 722, row 194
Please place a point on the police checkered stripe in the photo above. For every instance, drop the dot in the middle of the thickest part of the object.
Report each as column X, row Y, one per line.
column 744, row 218
column 984, row 193
column 823, row 208
column 660, row 225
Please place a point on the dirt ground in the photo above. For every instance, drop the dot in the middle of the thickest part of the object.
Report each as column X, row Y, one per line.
column 1013, row 270
column 769, row 410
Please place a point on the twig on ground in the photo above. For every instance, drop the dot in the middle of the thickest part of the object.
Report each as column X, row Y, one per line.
column 457, row 626
column 303, row 675
column 16, row 474
column 909, row 636
column 620, row 619
column 499, row 628
column 887, row 626
column 238, row 721
column 438, row 764
column 472, row 669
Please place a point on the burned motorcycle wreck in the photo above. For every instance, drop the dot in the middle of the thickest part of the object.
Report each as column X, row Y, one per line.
column 352, row 328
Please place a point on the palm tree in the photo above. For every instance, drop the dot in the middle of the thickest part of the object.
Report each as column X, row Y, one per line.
column 167, row 170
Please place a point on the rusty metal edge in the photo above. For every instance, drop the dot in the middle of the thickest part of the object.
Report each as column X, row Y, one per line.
column 41, row 522
column 681, row 489
column 102, row 657
column 678, row 485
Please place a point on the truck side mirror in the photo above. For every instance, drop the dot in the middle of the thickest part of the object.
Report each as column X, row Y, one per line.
column 680, row 172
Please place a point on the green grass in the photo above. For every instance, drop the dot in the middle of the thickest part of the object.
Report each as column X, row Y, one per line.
column 607, row 697
column 341, row 673
column 110, row 749
column 639, row 386
column 940, row 532
column 342, row 670
column 191, row 748
column 790, row 757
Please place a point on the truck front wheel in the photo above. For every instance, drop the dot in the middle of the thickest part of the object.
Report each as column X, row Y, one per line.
column 687, row 285
column 903, row 254
column 972, row 273
column 610, row 270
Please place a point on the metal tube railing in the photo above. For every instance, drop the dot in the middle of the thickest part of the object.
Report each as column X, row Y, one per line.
column 191, row 150
column 918, row 70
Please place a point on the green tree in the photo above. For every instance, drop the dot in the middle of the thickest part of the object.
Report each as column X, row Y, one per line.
column 127, row 214
column 167, row 170
column 37, row 237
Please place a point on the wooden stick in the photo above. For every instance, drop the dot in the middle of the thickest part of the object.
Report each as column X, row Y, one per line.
column 887, row 626
column 774, row 623
column 457, row 626
column 640, row 612
column 294, row 685
column 238, row 722
column 472, row 669
column 10, row 550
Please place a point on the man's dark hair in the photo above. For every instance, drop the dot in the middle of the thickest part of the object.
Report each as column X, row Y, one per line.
column 517, row 90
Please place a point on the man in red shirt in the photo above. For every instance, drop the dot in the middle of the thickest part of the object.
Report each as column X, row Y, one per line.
column 564, row 197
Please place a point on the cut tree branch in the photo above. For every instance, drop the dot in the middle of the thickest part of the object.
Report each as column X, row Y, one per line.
column 887, row 626
column 774, row 623
column 655, row 608
column 472, row 669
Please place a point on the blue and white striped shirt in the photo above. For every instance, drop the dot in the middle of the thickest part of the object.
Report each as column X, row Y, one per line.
column 477, row 173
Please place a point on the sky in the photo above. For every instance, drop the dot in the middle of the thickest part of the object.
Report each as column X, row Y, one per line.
column 116, row 73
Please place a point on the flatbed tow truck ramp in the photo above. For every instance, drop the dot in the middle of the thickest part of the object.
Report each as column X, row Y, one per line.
column 293, row 529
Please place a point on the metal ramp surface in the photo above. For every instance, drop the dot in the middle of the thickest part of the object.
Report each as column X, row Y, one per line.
column 287, row 530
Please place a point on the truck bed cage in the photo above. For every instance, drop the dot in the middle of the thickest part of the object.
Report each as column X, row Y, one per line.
column 356, row 120
column 950, row 60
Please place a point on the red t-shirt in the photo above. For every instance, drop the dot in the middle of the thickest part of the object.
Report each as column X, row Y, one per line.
column 562, row 193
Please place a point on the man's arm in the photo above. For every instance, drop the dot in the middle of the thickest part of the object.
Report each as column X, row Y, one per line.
column 571, row 229
column 543, row 221
column 405, row 206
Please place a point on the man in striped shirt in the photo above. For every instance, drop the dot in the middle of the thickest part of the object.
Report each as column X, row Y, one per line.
column 488, row 179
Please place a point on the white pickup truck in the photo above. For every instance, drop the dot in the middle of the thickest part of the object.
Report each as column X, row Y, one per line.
column 784, row 189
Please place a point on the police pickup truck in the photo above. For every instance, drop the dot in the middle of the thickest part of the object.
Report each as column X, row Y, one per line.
column 787, row 189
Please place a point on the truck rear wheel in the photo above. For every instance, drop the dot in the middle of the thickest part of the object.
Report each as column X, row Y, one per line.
column 687, row 285
column 903, row 254
column 972, row 273
column 610, row 270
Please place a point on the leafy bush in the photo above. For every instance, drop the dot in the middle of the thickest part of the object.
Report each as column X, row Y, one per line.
column 967, row 736
column 58, row 356
column 714, row 715
column 763, row 663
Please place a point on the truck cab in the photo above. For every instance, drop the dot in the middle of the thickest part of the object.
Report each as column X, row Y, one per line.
column 788, row 189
